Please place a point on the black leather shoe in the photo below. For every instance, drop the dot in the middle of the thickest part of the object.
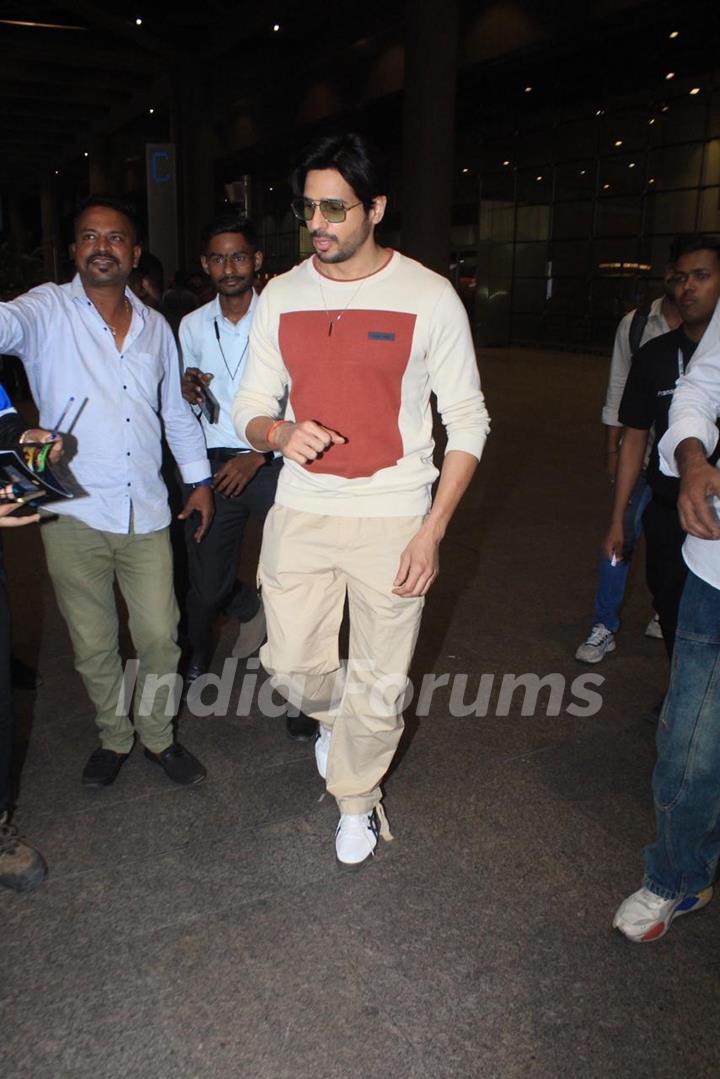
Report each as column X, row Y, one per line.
column 179, row 765
column 301, row 728
column 102, row 767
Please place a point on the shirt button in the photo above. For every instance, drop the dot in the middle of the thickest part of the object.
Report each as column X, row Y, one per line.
column 124, row 387
column 128, row 453
column 129, row 485
column 127, row 419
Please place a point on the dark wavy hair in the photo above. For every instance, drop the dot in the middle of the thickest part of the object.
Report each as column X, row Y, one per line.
column 352, row 156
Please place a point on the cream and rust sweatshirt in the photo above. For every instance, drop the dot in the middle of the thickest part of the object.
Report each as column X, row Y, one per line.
column 363, row 358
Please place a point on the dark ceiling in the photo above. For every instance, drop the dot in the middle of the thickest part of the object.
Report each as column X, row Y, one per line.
column 92, row 70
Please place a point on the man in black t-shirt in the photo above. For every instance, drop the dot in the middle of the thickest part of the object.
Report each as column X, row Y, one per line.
column 646, row 403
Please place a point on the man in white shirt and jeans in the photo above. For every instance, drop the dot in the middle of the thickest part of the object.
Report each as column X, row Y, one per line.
column 681, row 863
column 106, row 366
column 662, row 317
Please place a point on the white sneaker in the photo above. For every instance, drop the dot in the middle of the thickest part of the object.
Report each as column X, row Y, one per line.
column 644, row 916
column 356, row 837
column 653, row 628
column 596, row 647
column 322, row 749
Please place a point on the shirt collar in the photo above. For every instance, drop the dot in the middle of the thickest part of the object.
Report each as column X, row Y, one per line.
column 214, row 310
column 77, row 291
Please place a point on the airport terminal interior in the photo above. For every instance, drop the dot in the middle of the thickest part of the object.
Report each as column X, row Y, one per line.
column 541, row 156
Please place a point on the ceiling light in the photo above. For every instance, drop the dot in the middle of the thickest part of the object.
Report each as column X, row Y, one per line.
column 695, row 90
column 670, row 75
column 664, row 108
column 651, row 121
column 41, row 25
column 606, row 187
column 651, row 180
column 528, row 89
column 631, row 165
column 151, row 111
column 466, row 170
column 674, row 34
column 583, row 171
column 276, row 27
column 57, row 172
column 538, row 178
column 138, row 21
column 506, row 163
column 599, row 112
column 86, row 154
column 618, row 142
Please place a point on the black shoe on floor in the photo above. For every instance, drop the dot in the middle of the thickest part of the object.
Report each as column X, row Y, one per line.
column 301, row 728
column 192, row 672
column 23, row 676
column 102, row 767
column 179, row 765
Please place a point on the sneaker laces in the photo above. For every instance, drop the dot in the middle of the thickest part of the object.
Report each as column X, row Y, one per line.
column 599, row 634
column 9, row 838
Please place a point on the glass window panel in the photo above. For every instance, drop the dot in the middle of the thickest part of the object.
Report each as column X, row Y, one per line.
column 525, row 327
column 685, row 119
column 710, row 210
column 569, row 296
column 496, row 259
column 529, row 294
column 497, row 220
column 619, row 217
column 575, row 179
column 570, row 258
column 711, row 165
column 534, row 185
column 715, row 113
column 613, row 297
column 627, row 126
column 531, row 259
column 535, row 147
column 573, row 219
column 671, row 211
column 499, row 185
column 623, row 173
column 675, row 166
column 533, row 222
column 575, row 139
column 492, row 313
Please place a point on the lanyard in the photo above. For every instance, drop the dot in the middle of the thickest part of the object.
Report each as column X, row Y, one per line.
column 231, row 374
column 681, row 363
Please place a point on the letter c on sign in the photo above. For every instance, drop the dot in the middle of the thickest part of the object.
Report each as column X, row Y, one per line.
column 159, row 169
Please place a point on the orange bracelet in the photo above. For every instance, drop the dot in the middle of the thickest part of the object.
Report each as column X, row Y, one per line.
column 273, row 427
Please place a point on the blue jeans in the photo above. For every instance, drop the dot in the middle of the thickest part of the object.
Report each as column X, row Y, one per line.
column 686, row 782
column 611, row 580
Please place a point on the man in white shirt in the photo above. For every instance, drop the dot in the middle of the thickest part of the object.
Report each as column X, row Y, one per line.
column 681, row 863
column 214, row 345
column 105, row 366
column 662, row 317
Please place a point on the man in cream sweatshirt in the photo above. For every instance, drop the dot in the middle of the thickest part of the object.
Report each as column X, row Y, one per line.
column 351, row 344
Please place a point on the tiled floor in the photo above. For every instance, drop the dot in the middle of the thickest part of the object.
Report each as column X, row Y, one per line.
column 209, row 933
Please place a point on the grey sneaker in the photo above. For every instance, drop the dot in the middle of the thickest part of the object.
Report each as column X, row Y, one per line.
column 21, row 867
column 596, row 647
column 251, row 636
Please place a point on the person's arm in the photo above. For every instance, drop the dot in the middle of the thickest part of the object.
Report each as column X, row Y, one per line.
column 420, row 561
column 632, row 454
column 455, row 381
column 699, row 481
column 185, row 438
column 619, row 370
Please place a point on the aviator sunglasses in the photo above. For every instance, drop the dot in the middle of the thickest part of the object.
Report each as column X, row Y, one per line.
column 333, row 210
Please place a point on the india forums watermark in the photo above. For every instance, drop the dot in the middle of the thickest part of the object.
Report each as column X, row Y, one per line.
column 459, row 695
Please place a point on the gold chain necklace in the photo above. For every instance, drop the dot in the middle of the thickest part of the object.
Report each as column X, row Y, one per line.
column 113, row 329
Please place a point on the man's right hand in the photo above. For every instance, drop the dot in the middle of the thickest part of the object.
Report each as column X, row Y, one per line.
column 192, row 384
column 6, row 521
column 305, row 441
column 699, row 481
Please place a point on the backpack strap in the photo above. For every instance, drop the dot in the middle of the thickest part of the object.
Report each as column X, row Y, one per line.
column 637, row 327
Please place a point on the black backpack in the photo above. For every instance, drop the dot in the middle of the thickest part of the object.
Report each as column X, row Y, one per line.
column 637, row 327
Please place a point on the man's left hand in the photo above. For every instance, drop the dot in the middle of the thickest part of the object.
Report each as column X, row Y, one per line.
column 419, row 565
column 236, row 473
column 39, row 434
column 200, row 499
